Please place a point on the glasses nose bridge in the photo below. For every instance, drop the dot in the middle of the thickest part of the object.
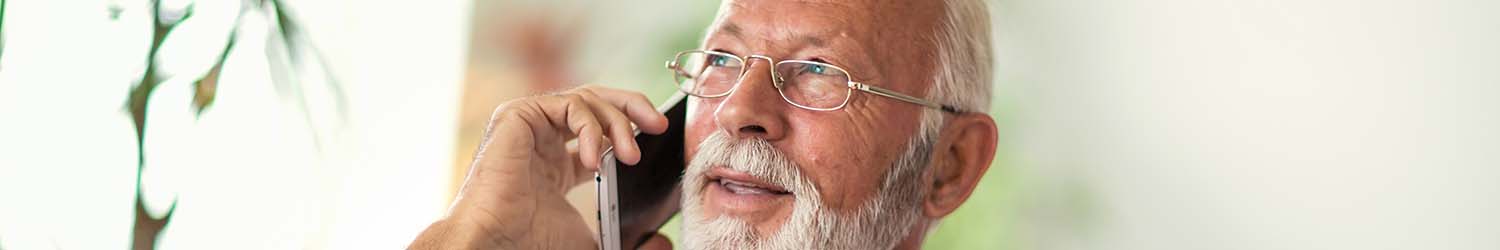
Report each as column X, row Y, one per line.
column 746, row 70
column 770, row 68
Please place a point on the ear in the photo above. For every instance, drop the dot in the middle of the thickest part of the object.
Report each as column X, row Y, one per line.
column 961, row 156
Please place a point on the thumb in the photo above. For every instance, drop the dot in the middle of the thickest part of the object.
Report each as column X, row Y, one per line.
column 656, row 242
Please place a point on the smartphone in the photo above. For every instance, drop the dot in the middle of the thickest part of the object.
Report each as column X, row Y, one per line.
column 634, row 201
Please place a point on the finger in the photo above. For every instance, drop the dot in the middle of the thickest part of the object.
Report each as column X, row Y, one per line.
column 636, row 106
column 573, row 112
column 618, row 126
column 580, row 175
column 508, row 140
column 609, row 150
column 656, row 242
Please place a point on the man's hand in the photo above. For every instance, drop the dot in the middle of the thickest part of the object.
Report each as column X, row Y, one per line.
column 513, row 195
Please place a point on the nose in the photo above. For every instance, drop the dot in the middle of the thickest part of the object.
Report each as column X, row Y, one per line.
column 755, row 108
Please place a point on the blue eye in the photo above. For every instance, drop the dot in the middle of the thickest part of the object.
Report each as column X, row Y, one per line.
column 816, row 69
column 718, row 60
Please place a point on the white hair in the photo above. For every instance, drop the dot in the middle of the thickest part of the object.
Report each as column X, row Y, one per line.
column 963, row 74
column 962, row 77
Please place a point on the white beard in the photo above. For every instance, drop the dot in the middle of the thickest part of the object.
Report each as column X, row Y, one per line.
column 881, row 223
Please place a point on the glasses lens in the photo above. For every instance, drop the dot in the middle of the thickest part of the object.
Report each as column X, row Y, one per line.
column 813, row 85
column 701, row 73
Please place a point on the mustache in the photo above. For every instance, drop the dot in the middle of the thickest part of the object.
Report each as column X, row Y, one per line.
column 754, row 156
column 757, row 158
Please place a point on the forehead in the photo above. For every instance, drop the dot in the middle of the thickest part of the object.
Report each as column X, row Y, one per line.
column 854, row 9
column 857, row 15
column 855, row 32
column 814, row 23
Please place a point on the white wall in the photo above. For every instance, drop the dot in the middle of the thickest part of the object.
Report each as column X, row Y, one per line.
column 402, row 65
column 1175, row 124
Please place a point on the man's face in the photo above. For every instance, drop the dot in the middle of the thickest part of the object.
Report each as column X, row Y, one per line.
column 833, row 162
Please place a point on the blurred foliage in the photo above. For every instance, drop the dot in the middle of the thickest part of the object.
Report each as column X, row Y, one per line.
column 983, row 221
column 147, row 228
column 661, row 85
column 2, row 29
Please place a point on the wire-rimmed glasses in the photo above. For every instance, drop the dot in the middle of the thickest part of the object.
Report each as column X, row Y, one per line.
column 806, row 84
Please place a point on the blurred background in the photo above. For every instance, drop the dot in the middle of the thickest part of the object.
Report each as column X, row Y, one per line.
column 1142, row 124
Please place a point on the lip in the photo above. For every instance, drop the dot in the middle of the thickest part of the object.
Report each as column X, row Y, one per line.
column 723, row 173
column 744, row 204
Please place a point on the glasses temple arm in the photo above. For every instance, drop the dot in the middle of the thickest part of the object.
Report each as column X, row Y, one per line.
column 902, row 97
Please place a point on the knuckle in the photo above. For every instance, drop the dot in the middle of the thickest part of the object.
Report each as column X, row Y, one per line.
column 508, row 109
column 574, row 98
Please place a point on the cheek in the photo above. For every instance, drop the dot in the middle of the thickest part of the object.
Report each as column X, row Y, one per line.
column 693, row 135
column 840, row 160
column 837, row 144
column 698, row 125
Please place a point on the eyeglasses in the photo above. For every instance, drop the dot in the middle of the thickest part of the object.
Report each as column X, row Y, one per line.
column 805, row 84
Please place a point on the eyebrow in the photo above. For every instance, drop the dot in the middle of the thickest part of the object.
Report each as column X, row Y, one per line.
column 737, row 32
column 732, row 29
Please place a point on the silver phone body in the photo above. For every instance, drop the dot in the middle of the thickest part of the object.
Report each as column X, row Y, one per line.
column 609, row 204
column 607, row 184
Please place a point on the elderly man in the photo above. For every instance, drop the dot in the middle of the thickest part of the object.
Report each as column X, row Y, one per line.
column 809, row 125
